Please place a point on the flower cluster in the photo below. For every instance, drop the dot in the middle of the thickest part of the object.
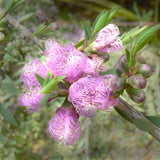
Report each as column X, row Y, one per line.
column 86, row 90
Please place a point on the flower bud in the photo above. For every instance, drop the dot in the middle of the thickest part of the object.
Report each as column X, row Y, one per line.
column 118, row 69
column 2, row 36
column 106, row 57
column 15, row 52
column 137, row 95
column 145, row 70
column 7, row 57
column 124, row 64
column 137, row 81
column 117, row 84
column 10, row 46
column 18, row 43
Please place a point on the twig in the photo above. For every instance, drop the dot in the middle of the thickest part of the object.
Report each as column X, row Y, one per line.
column 24, row 30
column 133, row 113
column 87, row 140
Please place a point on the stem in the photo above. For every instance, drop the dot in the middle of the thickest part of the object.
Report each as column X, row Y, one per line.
column 87, row 140
column 133, row 113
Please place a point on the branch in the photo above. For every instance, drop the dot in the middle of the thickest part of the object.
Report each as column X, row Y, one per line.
column 133, row 113
column 24, row 30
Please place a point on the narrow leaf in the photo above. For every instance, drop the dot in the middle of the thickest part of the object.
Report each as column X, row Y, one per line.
column 25, row 17
column 128, row 55
column 101, row 22
column 144, row 125
column 123, row 114
column 7, row 115
column 10, row 88
column 113, row 13
column 40, row 79
column 145, row 37
column 154, row 119
column 44, row 100
column 87, row 30
column 2, row 139
column 40, row 28
column 48, row 78
column 80, row 43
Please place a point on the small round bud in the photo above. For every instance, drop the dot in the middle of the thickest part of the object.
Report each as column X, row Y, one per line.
column 2, row 36
column 117, row 84
column 18, row 43
column 145, row 70
column 15, row 52
column 137, row 81
column 10, row 46
column 106, row 57
column 136, row 94
column 7, row 57
column 26, row 49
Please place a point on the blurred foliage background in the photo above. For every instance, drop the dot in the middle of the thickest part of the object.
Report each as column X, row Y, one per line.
column 106, row 136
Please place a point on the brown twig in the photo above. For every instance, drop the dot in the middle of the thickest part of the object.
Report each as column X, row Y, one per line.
column 133, row 113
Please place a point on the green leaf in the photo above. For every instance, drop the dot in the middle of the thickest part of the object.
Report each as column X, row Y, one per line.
column 128, row 55
column 44, row 100
column 7, row 115
column 113, row 13
column 48, row 78
column 100, row 21
column 10, row 88
column 25, row 17
column 144, row 125
column 2, row 139
column 7, row 8
column 123, row 114
column 51, row 85
column 127, row 37
column 145, row 37
column 87, row 30
column 80, row 43
column 154, row 119
column 132, row 62
column 40, row 79
column 39, row 29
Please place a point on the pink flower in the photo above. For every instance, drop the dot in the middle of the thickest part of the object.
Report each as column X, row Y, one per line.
column 65, row 60
column 89, row 94
column 64, row 126
column 28, row 76
column 95, row 64
column 31, row 99
column 108, row 39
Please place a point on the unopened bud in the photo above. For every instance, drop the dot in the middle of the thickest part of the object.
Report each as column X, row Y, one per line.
column 117, row 84
column 2, row 36
column 26, row 49
column 18, row 43
column 15, row 52
column 106, row 57
column 145, row 70
column 137, row 81
column 10, row 46
column 137, row 95
column 118, row 69
column 7, row 57
column 123, row 63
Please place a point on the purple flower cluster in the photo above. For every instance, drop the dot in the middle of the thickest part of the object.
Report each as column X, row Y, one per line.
column 88, row 91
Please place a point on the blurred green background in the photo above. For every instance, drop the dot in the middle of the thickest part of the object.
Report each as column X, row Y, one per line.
column 106, row 136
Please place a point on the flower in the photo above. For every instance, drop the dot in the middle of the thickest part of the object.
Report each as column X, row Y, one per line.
column 94, row 65
column 64, row 126
column 28, row 75
column 65, row 60
column 108, row 39
column 31, row 99
column 89, row 94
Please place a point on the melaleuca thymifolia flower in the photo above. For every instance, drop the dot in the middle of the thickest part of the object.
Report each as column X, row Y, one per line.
column 145, row 70
column 137, row 81
column 108, row 39
column 65, row 60
column 64, row 126
column 31, row 99
column 89, row 94
column 95, row 64
column 28, row 75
